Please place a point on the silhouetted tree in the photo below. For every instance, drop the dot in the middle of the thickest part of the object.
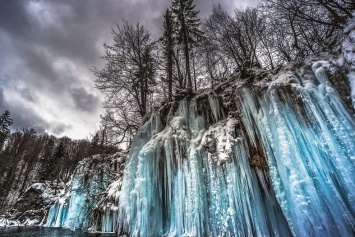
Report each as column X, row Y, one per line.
column 128, row 78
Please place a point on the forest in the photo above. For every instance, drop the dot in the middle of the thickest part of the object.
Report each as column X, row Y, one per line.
column 27, row 157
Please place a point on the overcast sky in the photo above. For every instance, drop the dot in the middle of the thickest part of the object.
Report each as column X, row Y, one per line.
column 47, row 48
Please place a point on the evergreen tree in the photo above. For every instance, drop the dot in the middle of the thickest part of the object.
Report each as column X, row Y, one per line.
column 59, row 152
column 187, row 30
column 5, row 123
column 50, row 168
column 47, row 162
column 168, row 47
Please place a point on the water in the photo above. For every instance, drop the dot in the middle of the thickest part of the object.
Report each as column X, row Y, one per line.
column 48, row 232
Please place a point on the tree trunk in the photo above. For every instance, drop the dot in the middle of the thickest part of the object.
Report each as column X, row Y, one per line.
column 170, row 77
column 187, row 60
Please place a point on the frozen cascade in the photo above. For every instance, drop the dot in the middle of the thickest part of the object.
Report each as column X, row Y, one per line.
column 284, row 167
column 279, row 162
column 74, row 208
column 311, row 153
column 193, row 181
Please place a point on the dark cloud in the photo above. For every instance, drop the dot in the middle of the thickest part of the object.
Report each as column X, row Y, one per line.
column 26, row 118
column 84, row 100
column 49, row 46
column 28, row 95
column 14, row 18
column 39, row 63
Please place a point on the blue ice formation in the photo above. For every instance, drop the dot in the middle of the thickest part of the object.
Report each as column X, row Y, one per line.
column 75, row 208
column 279, row 160
column 284, row 167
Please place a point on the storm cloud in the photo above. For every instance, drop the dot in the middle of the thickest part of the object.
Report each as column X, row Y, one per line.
column 83, row 100
column 48, row 47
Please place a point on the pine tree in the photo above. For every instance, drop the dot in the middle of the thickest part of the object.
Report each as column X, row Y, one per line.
column 187, row 30
column 168, row 47
column 56, row 165
column 5, row 123
column 47, row 162
column 60, row 151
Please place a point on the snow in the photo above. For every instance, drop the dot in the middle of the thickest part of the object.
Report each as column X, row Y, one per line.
column 283, row 78
column 219, row 140
column 4, row 222
column 47, row 194
column 39, row 194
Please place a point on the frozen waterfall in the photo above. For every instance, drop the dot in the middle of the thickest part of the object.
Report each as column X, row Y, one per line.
column 284, row 165
column 74, row 209
column 277, row 160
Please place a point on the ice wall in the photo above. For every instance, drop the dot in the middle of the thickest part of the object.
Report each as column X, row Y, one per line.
column 284, row 166
column 309, row 139
column 74, row 209
column 193, row 181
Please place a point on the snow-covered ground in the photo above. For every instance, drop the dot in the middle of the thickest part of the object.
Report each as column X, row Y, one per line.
column 31, row 207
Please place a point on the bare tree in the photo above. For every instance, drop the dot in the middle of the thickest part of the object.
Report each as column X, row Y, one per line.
column 303, row 27
column 232, row 39
column 128, row 78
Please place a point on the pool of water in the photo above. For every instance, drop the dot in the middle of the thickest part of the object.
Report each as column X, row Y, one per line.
column 47, row 232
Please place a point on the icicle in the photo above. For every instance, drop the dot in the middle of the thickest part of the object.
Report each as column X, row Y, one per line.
column 217, row 111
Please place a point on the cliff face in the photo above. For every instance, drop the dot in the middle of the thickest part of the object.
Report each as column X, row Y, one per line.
column 267, row 157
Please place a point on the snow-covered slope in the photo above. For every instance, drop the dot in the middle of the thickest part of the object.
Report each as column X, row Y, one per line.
column 32, row 207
